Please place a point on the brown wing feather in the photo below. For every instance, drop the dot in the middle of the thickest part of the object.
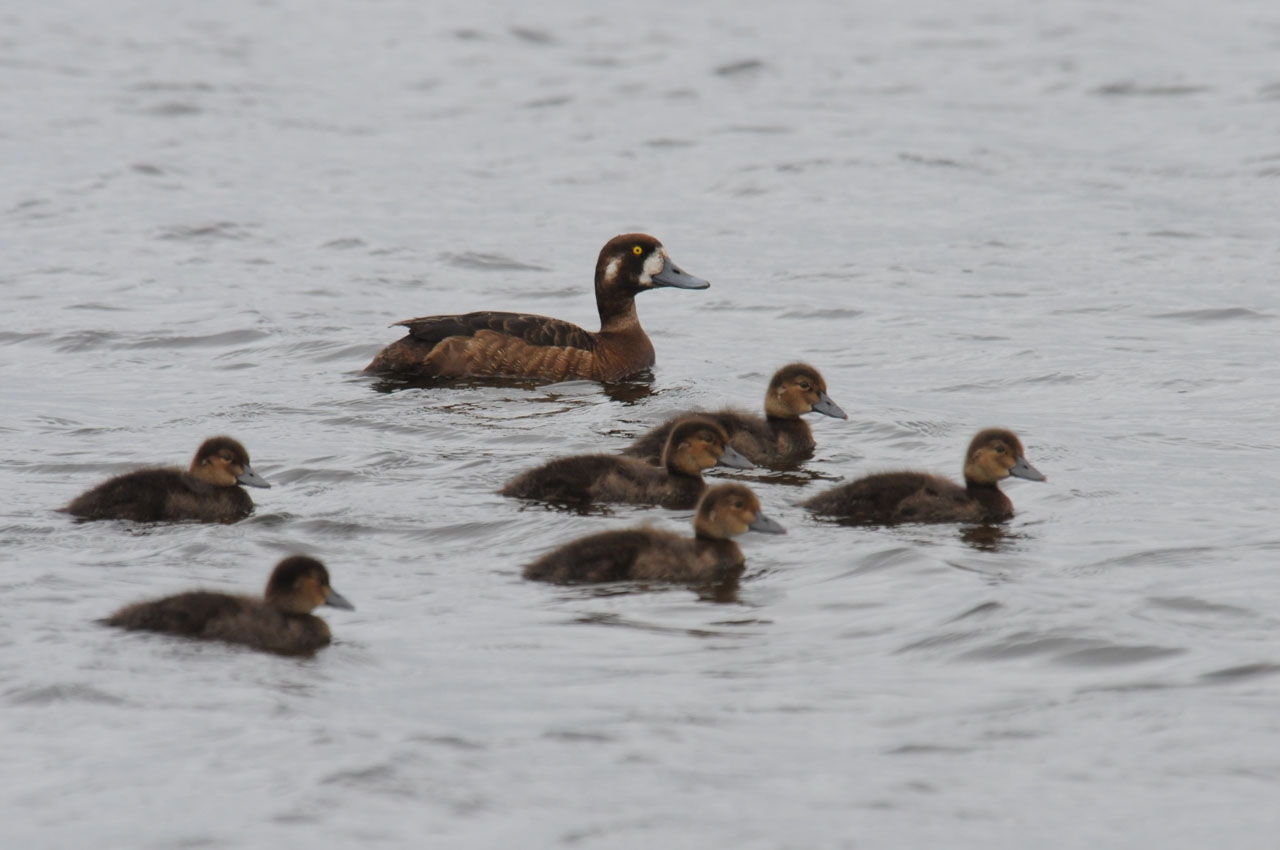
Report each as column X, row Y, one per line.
column 533, row 330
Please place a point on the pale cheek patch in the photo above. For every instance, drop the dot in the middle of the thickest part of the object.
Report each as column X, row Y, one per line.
column 611, row 271
column 653, row 264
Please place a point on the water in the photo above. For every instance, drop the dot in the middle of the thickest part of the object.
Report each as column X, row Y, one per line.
column 1060, row 219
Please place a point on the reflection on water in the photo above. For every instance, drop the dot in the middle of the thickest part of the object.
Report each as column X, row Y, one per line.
column 628, row 392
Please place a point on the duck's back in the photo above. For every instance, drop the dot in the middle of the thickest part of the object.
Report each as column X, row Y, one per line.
column 767, row 442
column 890, row 497
column 206, row 615
column 594, row 479
column 637, row 555
column 517, row 345
column 156, row 495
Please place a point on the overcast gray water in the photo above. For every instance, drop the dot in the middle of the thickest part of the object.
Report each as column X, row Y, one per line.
column 1059, row 218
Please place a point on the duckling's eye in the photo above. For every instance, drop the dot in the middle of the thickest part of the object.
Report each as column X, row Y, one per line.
column 1000, row 450
column 637, row 250
column 806, row 386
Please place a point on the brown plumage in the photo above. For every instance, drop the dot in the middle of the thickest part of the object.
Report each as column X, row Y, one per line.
column 208, row 491
column 892, row 497
column 280, row 621
column 778, row 440
column 646, row 554
column 695, row 444
column 515, row 345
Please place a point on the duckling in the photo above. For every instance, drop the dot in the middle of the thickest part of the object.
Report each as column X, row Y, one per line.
column 779, row 439
column 280, row 622
column 695, row 444
column 892, row 497
column 646, row 554
column 515, row 345
column 207, row 491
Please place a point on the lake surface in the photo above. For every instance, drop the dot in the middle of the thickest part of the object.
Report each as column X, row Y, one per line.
column 1059, row 218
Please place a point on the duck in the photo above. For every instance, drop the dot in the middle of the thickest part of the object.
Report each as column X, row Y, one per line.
column 778, row 440
column 887, row 498
column 490, row 344
column 280, row 622
column 695, row 443
column 207, row 491
column 647, row 554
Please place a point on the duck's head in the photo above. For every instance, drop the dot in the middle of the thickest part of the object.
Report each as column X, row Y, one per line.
column 697, row 443
column 299, row 584
column 634, row 262
column 994, row 455
column 223, row 462
column 728, row 510
column 796, row 389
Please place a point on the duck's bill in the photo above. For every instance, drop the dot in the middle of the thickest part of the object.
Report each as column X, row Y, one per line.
column 734, row 459
column 768, row 526
column 249, row 478
column 827, row 407
column 673, row 275
column 337, row 600
column 1022, row 469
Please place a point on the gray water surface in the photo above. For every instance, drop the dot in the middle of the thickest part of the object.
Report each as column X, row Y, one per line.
column 1060, row 218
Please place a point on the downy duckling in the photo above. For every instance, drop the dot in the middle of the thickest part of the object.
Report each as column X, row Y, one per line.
column 778, row 440
column 646, row 554
column 515, row 345
column 208, row 491
column 892, row 497
column 695, row 444
column 281, row 621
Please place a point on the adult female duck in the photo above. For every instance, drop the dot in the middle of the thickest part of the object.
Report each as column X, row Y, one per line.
column 515, row 345
column 891, row 497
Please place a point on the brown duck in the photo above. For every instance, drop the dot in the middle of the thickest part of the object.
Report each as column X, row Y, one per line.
column 695, row 444
column 281, row 621
column 893, row 497
column 778, row 440
column 516, row 345
column 208, row 491
column 647, row 554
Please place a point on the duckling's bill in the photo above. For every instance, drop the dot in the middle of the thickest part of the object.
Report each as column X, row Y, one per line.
column 734, row 459
column 767, row 525
column 1022, row 469
column 337, row 600
column 827, row 407
column 249, row 478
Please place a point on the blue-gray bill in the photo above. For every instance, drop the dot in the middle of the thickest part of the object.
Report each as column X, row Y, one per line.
column 734, row 459
column 827, row 407
column 249, row 478
column 673, row 275
column 337, row 600
column 1022, row 469
column 768, row 526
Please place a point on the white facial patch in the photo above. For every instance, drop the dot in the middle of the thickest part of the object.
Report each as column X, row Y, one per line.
column 653, row 264
column 611, row 271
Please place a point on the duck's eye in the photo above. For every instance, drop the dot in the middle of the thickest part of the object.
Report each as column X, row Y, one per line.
column 637, row 250
column 806, row 386
column 1000, row 450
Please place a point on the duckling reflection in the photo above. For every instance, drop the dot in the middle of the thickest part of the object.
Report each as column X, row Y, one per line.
column 778, row 440
column 281, row 621
column 208, row 491
column 694, row 444
column 892, row 497
column 514, row 345
column 647, row 554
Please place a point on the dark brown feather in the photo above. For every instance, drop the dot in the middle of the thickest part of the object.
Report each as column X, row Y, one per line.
column 159, row 495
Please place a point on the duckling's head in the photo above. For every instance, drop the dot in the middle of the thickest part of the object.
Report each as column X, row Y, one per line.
column 994, row 455
column 796, row 389
column 300, row 584
column 697, row 443
column 728, row 510
column 634, row 262
column 223, row 462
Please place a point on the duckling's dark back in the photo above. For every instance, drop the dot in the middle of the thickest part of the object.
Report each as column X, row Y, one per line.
column 587, row 479
column 639, row 554
column 207, row 615
column 157, row 495
column 890, row 497
column 765, row 442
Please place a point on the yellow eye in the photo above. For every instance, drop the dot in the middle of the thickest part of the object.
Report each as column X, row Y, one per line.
column 637, row 250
